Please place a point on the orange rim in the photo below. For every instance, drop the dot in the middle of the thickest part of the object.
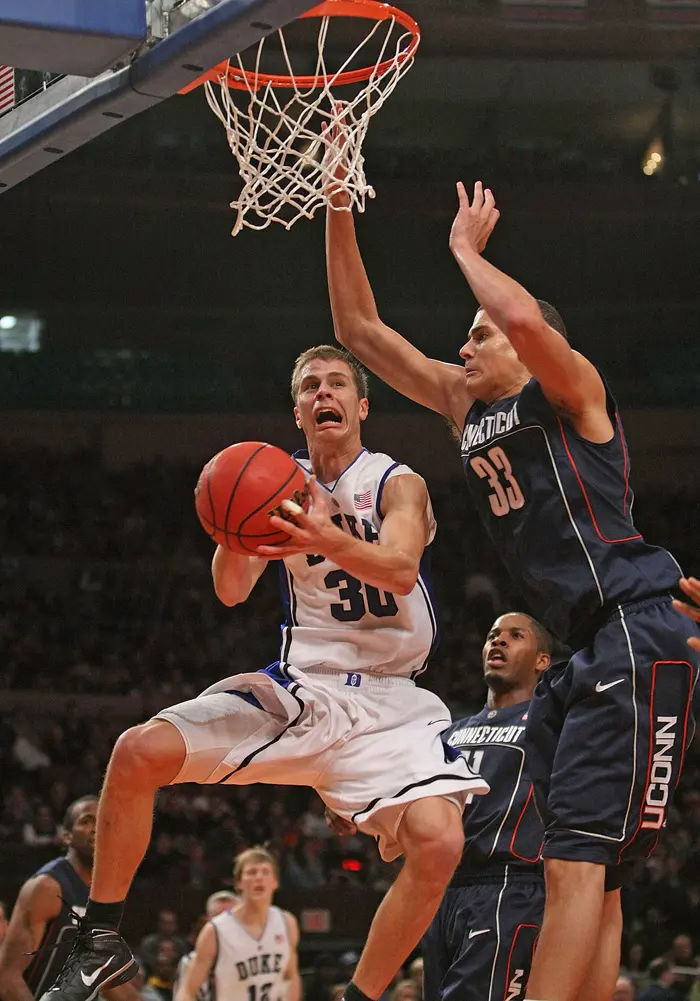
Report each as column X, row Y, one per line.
column 371, row 10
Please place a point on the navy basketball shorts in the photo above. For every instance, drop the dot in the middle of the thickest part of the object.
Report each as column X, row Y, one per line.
column 607, row 735
column 480, row 944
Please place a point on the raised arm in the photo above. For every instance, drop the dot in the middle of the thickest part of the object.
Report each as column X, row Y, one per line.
column 568, row 380
column 291, row 974
column 393, row 565
column 435, row 384
column 200, row 967
column 39, row 902
column 235, row 575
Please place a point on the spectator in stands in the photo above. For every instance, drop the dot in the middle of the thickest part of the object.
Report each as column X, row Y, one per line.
column 683, row 964
column 636, row 967
column 42, row 829
column 304, row 868
column 313, row 822
column 415, row 973
column 662, row 983
column 25, row 751
column 406, row 990
column 162, row 978
column 624, row 990
column 326, row 977
column 167, row 931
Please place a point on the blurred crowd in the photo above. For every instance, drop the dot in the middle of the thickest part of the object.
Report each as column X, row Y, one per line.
column 105, row 589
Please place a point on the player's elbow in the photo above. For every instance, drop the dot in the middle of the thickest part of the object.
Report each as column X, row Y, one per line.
column 228, row 596
column 523, row 318
column 228, row 591
column 405, row 580
column 356, row 330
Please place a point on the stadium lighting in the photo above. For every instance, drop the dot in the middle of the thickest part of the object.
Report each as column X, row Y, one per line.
column 8, row 322
column 653, row 159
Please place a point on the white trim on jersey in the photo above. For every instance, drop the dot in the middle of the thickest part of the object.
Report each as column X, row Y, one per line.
column 498, row 934
column 633, row 663
column 516, row 787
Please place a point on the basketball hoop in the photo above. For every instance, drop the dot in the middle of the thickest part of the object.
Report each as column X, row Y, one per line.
column 286, row 158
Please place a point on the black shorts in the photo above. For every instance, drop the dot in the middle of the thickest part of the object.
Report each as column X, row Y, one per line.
column 607, row 734
column 480, row 944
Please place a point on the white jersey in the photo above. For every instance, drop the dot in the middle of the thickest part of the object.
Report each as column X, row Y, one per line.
column 336, row 621
column 204, row 992
column 247, row 968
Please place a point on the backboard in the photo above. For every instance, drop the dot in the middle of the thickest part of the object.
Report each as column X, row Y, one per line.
column 181, row 39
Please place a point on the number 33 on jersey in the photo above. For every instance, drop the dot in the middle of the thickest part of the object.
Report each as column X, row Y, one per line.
column 335, row 620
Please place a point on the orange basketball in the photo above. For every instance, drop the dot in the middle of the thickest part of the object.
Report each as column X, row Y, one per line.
column 238, row 490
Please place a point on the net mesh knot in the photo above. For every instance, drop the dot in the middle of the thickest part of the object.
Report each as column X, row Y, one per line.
column 281, row 136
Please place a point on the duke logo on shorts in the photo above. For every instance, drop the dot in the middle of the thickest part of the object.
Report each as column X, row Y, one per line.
column 340, row 711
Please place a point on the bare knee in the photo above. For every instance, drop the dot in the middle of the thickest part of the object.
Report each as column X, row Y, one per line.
column 432, row 839
column 150, row 755
column 566, row 879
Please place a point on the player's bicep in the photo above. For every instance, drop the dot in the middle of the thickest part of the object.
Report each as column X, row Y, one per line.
column 407, row 514
column 37, row 904
column 568, row 380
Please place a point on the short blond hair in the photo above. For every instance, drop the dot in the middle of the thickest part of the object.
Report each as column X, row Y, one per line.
column 252, row 856
column 328, row 352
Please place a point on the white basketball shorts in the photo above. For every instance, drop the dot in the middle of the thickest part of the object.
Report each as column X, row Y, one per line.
column 368, row 744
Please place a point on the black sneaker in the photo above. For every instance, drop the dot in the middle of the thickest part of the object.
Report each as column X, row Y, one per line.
column 99, row 958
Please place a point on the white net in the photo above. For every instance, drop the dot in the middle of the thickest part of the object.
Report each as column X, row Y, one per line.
column 279, row 136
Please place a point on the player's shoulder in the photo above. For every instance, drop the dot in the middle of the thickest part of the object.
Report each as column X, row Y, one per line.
column 41, row 895
column 54, row 866
column 292, row 926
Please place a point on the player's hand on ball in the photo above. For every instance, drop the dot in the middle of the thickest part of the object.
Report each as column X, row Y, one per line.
column 309, row 532
column 475, row 220
column 691, row 586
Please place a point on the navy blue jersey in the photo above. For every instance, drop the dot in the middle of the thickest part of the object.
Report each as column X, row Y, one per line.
column 559, row 511
column 58, row 937
column 504, row 826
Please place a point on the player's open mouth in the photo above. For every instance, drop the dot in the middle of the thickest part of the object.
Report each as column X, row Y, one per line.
column 324, row 417
column 496, row 657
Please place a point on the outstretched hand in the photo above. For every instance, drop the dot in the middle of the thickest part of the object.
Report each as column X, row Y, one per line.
column 691, row 586
column 335, row 137
column 309, row 531
column 475, row 221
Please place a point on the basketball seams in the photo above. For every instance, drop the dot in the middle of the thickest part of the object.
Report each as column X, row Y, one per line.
column 236, row 538
column 279, row 536
column 241, row 471
column 296, row 469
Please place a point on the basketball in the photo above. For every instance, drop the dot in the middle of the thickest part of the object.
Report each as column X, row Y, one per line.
column 240, row 488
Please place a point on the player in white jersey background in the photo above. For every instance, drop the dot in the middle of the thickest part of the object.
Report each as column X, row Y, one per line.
column 217, row 903
column 339, row 712
column 247, row 952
